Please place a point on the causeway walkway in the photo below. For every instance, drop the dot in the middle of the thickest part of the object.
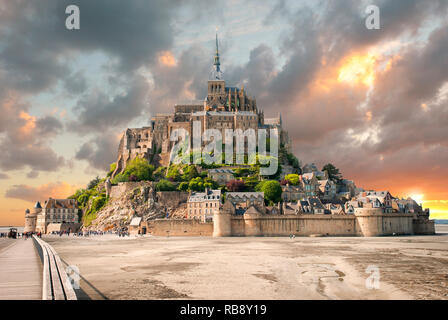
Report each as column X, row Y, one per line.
column 20, row 271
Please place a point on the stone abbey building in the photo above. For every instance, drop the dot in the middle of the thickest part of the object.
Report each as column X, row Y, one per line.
column 223, row 108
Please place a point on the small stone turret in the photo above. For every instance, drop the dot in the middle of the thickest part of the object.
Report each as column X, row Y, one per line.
column 30, row 220
column 222, row 220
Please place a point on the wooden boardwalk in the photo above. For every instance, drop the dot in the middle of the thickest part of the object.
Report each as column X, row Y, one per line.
column 20, row 272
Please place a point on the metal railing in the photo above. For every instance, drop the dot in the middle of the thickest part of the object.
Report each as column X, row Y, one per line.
column 56, row 284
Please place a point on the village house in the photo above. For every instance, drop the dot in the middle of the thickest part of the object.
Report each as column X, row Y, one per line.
column 310, row 184
column 350, row 206
column 244, row 200
column 291, row 208
column 335, row 208
column 311, row 205
column 221, row 175
column 202, row 205
column 291, row 193
column 327, row 189
column 383, row 197
column 311, row 168
column 56, row 211
column 406, row 206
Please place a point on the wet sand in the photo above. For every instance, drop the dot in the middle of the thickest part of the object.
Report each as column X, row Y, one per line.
column 413, row 267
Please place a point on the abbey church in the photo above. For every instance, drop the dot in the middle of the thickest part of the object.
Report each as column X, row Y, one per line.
column 223, row 108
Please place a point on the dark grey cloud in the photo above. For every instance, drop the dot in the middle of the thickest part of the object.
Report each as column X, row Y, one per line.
column 38, row 157
column 48, row 125
column 37, row 48
column 99, row 152
column 98, row 111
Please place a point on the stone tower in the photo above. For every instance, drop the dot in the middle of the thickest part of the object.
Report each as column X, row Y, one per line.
column 216, row 94
column 222, row 220
column 31, row 218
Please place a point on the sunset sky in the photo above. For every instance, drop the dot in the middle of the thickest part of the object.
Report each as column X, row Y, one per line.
column 372, row 102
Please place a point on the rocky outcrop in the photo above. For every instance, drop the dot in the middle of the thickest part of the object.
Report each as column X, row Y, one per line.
column 140, row 201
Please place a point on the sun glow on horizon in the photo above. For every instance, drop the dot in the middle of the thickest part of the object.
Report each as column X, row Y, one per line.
column 418, row 197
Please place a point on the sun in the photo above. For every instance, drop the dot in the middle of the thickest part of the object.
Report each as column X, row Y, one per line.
column 358, row 69
column 418, row 197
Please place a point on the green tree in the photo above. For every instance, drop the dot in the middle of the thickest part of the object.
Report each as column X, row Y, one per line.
column 196, row 184
column 272, row 190
column 165, row 185
column 112, row 168
column 93, row 183
column 173, row 173
column 293, row 161
column 333, row 172
column 140, row 168
column 189, row 172
column 159, row 173
column 183, row 186
column 241, row 172
column 98, row 203
column 120, row 178
column 293, row 179
column 251, row 182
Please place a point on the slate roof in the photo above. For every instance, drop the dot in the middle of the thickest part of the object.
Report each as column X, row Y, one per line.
column 61, row 204
column 205, row 196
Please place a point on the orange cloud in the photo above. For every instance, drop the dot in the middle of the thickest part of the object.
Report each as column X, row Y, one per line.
column 30, row 123
column 357, row 69
column 33, row 194
column 166, row 58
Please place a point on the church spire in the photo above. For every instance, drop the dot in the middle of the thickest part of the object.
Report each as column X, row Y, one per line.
column 216, row 72
column 217, row 64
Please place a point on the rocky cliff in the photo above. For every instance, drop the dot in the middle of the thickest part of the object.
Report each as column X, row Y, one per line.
column 136, row 200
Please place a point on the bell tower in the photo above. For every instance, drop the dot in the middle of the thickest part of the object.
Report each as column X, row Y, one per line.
column 216, row 94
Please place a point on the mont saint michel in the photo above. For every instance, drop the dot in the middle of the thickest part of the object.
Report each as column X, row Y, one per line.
column 253, row 151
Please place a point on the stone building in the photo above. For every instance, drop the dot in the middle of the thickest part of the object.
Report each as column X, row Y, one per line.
column 224, row 107
column 310, row 184
column 56, row 211
column 327, row 189
column 244, row 200
column 292, row 193
column 221, row 175
column 203, row 205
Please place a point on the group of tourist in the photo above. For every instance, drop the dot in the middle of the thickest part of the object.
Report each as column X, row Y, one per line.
column 120, row 233
column 20, row 235
column 89, row 233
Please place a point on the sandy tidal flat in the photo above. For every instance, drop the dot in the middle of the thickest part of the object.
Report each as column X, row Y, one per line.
column 414, row 267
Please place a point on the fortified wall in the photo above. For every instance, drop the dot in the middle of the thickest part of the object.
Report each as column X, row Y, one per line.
column 178, row 228
column 365, row 223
